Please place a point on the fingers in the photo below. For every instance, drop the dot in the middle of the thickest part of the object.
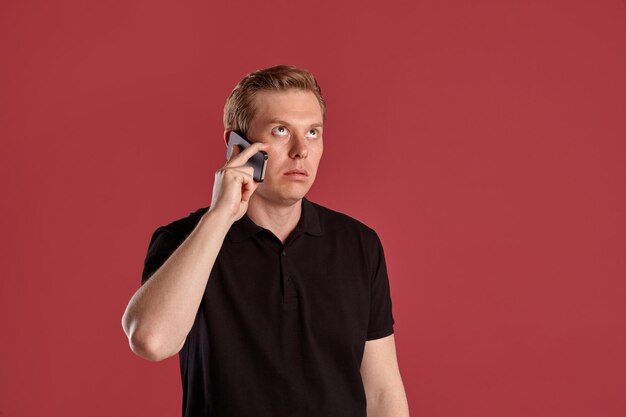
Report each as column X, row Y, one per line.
column 248, row 186
column 244, row 176
column 234, row 183
column 240, row 158
column 232, row 189
column 240, row 175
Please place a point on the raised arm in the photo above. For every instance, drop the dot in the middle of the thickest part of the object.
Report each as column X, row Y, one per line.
column 162, row 311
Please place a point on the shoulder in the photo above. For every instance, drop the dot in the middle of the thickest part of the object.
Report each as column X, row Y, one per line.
column 355, row 239
column 338, row 223
column 166, row 239
column 183, row 226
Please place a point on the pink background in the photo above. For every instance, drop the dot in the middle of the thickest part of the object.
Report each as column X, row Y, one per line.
column 483, row 140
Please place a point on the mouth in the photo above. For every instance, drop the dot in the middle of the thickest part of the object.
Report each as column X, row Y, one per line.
column 297, row 172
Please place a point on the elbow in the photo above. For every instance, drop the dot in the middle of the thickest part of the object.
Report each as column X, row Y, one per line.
column 147, row 347
column 143, row 343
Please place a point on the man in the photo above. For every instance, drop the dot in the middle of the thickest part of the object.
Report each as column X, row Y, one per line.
column 277, row 306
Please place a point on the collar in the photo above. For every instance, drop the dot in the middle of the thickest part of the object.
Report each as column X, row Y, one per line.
column 309, row 223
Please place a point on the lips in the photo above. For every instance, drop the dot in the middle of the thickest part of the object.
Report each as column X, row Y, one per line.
column 297, row 172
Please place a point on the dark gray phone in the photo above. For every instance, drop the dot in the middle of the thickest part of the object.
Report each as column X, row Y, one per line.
column 258, row 161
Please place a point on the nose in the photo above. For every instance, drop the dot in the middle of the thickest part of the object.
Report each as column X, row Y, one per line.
column 298, row 147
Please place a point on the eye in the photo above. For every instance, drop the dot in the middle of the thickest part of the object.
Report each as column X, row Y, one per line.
column 280, row 131
column 313, row 133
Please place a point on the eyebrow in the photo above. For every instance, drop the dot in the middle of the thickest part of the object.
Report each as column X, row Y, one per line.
column 282, row 122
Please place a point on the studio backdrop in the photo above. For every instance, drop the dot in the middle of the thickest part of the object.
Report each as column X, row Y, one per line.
column 483, row 140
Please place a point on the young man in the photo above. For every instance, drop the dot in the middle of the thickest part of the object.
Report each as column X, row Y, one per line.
column 277, row 306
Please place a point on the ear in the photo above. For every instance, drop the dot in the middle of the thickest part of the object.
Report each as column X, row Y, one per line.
column 226, row 134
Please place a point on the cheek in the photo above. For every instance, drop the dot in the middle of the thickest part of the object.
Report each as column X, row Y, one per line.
column 318, row 152
column 273, row 158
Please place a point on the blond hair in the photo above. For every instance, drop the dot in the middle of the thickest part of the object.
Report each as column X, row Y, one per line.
column 239, row 108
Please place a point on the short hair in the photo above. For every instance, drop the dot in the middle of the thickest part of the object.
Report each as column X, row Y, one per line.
column 239, row 108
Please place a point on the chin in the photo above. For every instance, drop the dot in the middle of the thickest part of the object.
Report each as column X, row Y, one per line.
column 285, row 199
column 291, row 198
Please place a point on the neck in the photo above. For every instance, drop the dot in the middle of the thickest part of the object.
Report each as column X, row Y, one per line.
column 279, row 219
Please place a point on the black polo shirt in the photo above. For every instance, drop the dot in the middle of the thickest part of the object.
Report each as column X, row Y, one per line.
column 281, row 328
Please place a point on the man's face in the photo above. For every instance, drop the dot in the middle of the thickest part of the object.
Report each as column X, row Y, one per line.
column 291, row 122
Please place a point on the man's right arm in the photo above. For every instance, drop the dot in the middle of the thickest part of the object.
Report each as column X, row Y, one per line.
column 162, row 311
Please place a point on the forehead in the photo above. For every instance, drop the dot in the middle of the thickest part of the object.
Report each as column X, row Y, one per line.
column 293, row 106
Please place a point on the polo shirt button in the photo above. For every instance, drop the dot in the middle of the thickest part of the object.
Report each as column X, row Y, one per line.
column 284, row 253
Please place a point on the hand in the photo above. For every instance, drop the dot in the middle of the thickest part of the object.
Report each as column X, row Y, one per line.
column 234, row 184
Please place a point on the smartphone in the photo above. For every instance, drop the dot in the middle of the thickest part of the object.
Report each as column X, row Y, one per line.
column 258, row 161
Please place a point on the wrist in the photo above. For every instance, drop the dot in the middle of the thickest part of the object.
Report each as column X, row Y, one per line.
column 219, row 218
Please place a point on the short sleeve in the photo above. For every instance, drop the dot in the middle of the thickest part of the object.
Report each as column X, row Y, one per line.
column 162, row 244
column 381, row 318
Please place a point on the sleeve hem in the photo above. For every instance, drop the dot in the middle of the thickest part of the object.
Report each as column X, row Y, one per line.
column 380, row 333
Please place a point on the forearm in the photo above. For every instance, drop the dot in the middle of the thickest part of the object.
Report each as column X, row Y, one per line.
column 392, row 403
column 160, row 314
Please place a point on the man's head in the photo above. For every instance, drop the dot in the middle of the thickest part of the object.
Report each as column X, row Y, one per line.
column 283, row 107
column 240, row 106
